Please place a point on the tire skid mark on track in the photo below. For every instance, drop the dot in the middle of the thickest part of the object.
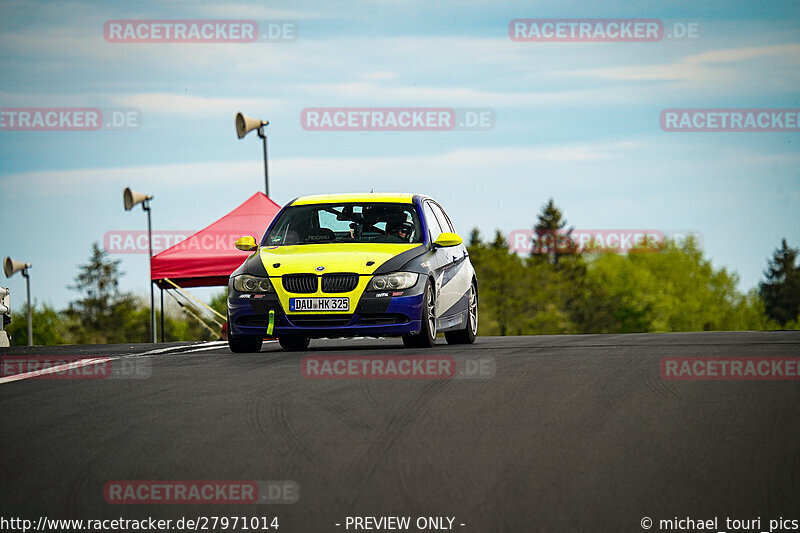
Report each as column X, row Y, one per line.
column 406, row 475
column 659, row 385
column 259, row 404
column 773, row 437
column 772, row 492
column 86, row 489
column 282, row 415
column 79, row 488
column 269, row 414
column 365, row 390
column 331, row 405
column 794, row 474
column 362, row 470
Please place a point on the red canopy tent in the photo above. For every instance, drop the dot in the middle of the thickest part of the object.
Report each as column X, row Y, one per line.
column 208, row 257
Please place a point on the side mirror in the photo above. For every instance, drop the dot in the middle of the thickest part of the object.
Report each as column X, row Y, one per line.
column 246, row 244
column 447, row 239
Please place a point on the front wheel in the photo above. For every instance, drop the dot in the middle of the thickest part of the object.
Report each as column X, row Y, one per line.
column 468, row 334
column 426, row 338
column 294, row 343
column 244, row 344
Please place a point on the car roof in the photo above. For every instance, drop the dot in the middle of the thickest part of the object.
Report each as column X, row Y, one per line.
column 395, row 198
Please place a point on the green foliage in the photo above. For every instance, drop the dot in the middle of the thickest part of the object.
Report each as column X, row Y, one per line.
column 675, row 289
column 672, row 287
column 508, row 305
column 550, row 241
column 780, row 292
column 219, row 302
column 103, row 314
column 50, row 326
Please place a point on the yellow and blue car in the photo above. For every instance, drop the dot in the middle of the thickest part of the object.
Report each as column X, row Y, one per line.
column 346, row 265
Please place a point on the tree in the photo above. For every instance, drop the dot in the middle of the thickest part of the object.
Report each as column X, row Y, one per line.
column 49, row 326
column 516, row 298
column 551, row 239
column 103, row 314
column 474, row 237
column 219, row 302
column 501, row 288
column 674, row 289
column 781, row 290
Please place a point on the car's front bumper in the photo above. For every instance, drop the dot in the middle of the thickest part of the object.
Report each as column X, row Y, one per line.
column 376, row 314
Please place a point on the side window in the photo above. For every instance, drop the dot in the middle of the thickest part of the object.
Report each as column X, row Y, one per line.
column 444, row 222
column 433, row 224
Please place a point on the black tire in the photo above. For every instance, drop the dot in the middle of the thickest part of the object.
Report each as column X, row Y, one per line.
column 468, row 334
column 244, row 344
column 426, row 338
column 294, row 343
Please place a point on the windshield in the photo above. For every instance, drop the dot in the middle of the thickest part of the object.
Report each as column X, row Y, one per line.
column 346, row 223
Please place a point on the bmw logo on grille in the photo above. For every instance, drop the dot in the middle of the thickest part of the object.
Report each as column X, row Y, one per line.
column 320, row 268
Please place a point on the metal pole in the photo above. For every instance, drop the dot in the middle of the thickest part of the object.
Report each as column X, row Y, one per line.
column 162, row 314
column 30, row 314
column 146, row 207
column 266, row 168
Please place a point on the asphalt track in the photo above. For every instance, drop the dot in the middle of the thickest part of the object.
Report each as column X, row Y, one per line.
column 572, row 433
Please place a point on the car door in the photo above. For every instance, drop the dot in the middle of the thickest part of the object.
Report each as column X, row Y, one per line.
column 456, row 274
column 440, row 260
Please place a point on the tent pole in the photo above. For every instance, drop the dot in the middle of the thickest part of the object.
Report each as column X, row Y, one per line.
column 162, row 314
column 188, row 308
column 266, row 169
column 185, row 294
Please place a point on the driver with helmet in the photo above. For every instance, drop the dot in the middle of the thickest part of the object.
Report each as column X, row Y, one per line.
column 399, row 230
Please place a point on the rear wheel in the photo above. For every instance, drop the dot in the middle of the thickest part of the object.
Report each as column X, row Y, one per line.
column 294, row 343
column 468, row 334
column 426, row 338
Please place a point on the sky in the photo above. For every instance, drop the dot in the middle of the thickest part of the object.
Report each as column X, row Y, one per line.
column 574, row 121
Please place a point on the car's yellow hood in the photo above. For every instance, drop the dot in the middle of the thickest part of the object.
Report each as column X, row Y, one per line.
column 334, row 257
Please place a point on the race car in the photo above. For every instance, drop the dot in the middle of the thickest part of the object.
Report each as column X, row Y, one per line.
column 347, row 265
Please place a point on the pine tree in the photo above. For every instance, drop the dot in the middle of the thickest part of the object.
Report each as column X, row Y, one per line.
column 475, row 237
column 551, row 239
column 103, row 314
column 781, row 290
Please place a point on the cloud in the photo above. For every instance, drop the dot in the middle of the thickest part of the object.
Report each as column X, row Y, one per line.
column 721, row 67
column 231, row 10
column 172, row 176
column 165, row 103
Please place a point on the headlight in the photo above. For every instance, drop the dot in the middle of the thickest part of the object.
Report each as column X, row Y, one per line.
column 393, row 282
column 245, row 283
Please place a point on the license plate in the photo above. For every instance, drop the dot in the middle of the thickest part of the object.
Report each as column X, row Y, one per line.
column 319, row 304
